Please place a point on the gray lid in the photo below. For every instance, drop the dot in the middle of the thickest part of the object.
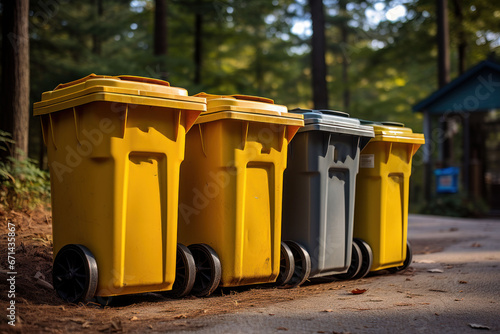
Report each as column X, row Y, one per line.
column 332, row 121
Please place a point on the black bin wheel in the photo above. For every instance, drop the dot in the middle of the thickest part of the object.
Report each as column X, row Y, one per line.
column 185, row 272
column 367, row 258
column 287, row 265
column 408, row 259
column 208, row 270
column 75, row 273
column 302, row 262
column 355, row 266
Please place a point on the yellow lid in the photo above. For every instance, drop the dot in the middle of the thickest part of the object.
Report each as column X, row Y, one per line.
column 245, row 104
column 122, row 89
column 396, row 133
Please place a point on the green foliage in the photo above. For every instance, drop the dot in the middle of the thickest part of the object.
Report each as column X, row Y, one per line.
column 456, row 205
column 23, row 185
column 254, row 48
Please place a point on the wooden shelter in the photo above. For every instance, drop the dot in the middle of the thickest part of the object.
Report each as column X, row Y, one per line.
column 462, row 123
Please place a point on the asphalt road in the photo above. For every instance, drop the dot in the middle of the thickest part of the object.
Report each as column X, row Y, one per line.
column 449, row 291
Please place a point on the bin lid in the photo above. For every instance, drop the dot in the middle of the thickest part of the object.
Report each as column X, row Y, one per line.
column 332, row 121
column 245, row 107
column 395, row 132
column 122, row 89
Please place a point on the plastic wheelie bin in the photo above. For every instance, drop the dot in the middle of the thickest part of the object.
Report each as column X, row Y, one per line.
column 231, row 190
column 382, row 190
column 115, row 145
column 318, row 200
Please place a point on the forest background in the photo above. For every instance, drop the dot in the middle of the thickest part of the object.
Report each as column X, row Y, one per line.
column 380, row 56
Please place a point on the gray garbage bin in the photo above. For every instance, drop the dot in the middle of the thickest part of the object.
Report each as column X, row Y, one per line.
column 318, row 194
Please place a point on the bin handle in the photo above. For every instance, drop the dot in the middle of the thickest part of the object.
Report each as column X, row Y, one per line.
column 144, row 80
column 236, row 96
column 75, row 82
column 120, row 77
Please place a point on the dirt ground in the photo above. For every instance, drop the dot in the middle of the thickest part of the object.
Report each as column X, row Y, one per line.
column 40, row 310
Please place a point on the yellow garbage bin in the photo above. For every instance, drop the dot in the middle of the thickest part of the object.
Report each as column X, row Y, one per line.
column 231, row 190
column 382, row 190
column 115, row 145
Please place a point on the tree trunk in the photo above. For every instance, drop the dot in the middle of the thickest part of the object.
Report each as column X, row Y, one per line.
column 462, row 41
column 443, row 40
column 320, row 92
column 15, row 73
column 160, row 35
column 198, row 45
column 96, row 38
column 346, row 95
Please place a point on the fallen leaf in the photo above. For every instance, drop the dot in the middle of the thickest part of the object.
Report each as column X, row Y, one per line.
column 271, row 313
column 358, row 291
column 150, row 326
column 424, row 261
column 462, row 282
column 478, row 326
column 134, row 318
column 453, row 229
column 435, row 270
column 180, row 316
column 403, row 304
column 437, row 290
column 116, row 324
column 86, row 324
column 475, row 245
column 327, row 310
column 39, row 275
column 458, row 300
column 39, row 239
column 282, row 328
column 78, row 320
column 44, row 284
